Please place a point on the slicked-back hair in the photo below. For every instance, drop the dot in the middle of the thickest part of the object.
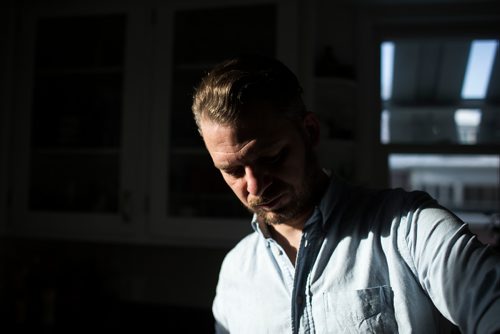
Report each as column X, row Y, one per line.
column 236, row 85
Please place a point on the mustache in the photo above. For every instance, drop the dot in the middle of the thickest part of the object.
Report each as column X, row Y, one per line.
column 257, row 201
column 278, row 188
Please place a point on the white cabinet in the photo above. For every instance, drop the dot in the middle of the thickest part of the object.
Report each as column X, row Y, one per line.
column 103, row 143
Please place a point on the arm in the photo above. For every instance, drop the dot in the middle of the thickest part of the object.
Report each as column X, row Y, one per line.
column 460, row 275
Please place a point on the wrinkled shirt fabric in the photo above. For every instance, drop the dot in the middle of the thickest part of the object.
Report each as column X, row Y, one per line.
column 370, row 261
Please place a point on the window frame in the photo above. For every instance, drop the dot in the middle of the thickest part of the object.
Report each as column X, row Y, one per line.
column 386, row 23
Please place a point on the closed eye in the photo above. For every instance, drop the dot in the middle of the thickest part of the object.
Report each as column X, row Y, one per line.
column 234, row 171
column 275, row 159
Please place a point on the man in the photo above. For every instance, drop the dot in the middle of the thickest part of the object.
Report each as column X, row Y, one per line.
column 326, row 257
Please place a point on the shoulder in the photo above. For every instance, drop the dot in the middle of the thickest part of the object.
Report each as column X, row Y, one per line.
column 341, row 194
column 409, row 209
column 381, row 203
column 357, row 209
column 397, row 197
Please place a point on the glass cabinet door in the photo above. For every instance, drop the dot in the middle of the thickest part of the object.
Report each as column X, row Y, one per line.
column 193, row 203
column 76, row 114
column 77, row 121
column 202, row 38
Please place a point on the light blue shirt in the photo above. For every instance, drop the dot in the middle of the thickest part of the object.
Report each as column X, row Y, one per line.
column 369, row 262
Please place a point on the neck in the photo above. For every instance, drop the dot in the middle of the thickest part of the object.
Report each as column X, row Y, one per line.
column 288, row 237
column 289, row 234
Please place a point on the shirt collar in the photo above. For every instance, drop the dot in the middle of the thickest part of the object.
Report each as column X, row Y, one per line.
column 260, row 228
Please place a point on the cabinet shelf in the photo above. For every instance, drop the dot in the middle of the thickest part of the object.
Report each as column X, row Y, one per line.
column 206, row 204
column 189, row 151
column 222, row 195
column 195, row 66
column 55, row 71
column 332, row 80
column 78, row 151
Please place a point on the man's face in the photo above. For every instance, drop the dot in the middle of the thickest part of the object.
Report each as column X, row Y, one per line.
column 267, row 161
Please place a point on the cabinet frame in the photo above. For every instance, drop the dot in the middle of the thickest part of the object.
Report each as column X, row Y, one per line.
column 81, row 225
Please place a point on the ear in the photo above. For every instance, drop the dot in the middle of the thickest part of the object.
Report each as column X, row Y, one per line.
column 312, row 127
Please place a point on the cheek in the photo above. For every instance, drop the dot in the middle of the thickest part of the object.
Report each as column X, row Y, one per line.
column 237, row 186
column 292, row 170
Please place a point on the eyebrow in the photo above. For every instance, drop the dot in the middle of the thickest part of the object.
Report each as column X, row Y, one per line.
column 223, row 167
column 274, row 149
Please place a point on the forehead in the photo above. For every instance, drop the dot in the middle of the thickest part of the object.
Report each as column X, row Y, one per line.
column 257, row 133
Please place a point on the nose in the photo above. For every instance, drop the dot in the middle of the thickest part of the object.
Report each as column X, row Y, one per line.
column 257, row 181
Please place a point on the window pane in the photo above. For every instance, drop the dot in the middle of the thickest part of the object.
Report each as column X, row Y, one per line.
column 426, row 83
column 462, row 183
column 198, row 189
column 80, row 41
column 64, row 182
column 479, row 65
column 77, row 110
column 76, row 115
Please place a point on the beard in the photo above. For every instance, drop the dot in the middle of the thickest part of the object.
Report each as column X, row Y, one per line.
column 300, row 200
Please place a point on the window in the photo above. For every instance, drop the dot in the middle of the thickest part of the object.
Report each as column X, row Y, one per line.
column 440, row 120
column 438, row 91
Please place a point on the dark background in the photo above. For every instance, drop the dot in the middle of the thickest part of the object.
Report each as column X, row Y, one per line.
column 61, row 284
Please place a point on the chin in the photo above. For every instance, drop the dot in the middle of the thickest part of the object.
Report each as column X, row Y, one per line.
column 277, row 218
column 271, row 218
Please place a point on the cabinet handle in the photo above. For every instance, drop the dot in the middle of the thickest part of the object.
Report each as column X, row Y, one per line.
column 126, row 206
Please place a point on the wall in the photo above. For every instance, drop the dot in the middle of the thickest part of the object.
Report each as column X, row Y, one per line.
column 48, row 283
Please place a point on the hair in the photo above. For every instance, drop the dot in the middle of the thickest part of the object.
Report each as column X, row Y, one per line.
column 236, row 85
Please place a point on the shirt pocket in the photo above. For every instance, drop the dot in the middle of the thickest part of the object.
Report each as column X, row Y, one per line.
column 360, row 311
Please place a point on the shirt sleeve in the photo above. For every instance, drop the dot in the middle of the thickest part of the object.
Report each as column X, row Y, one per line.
column 459, row 273
column 220, row 323
column 218, row 305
